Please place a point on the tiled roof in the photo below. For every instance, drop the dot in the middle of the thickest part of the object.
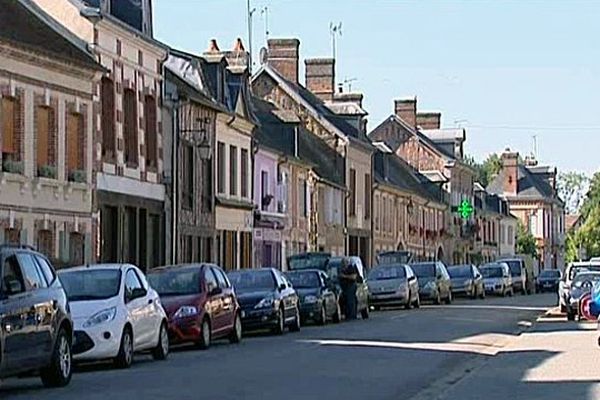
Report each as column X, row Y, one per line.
column 24, row 24
column 528, row 184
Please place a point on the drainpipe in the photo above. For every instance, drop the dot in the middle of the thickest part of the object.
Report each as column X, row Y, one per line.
column 174, row 181
column 372, row 186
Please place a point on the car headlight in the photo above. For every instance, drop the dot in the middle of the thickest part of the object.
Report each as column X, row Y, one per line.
column 101, row 317
column 310, row 299
column 265, row 303
column 185, row 311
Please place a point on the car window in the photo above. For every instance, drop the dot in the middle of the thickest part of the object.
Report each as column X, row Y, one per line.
column 12, row 277
column 409, row 272
column 280, row 279
column 32, row 275
column 132, row 282
column 46, row 269
column 221, row 280
column 211, row 280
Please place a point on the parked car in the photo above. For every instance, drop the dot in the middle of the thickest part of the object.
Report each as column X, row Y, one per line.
column 200, row 303
column 572, row 270
column 518, row 274
column 115, row 313
column 310, row 260
column 548, row 280
column 393, row 284
column 581, row 285
column 333, row 267
column 394, row 257
column 317, row 295
column 267, row 299
column 466, row 280
column 497, row 278
column 36, row 330
column 434, row 281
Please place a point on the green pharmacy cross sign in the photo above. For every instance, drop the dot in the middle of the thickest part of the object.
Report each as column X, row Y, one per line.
column 465, row 210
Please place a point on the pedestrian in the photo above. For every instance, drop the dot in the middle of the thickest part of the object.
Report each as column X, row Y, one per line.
column 348, row 277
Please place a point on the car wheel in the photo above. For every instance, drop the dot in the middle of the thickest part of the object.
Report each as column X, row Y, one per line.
column 323, row 316
column 205, row 335
column 280, row 328
column 365, row 313
column 60, row 370
column 161, row 351
column 295, row 327
column 337, row 317
column 125, row 357
column 449, row 299
column 236, row 332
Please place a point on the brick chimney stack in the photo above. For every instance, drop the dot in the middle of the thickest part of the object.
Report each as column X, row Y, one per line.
column 510, row 164
column 320, row 77
column 429, row 119
column 283, row 55
column 406, row 110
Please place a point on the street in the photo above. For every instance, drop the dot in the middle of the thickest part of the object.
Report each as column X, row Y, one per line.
column 397, row 354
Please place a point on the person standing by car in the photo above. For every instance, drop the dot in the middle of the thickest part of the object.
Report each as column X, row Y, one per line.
column 348, row 276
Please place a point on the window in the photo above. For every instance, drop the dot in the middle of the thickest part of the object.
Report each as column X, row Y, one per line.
column 12, row 236
column 130, row 128
column 150, row 133
column 221, row 280
column 46, row 269
column 221, row 167
column 264, row 190
column 32, row 275
column 233, row 171
column 510, row 235
column 207, row 186
column 45, row 242
column 132, row 282
column 12, row 277
column 303, row 197
column 244, row 171
column 107, row 89
column 44, row 118
column 211, row 281
column 376, row 213
column 533, row 224
column 367, row 210
column 9, row 114
column 75, row 145
column 188, row 177
column 76, row 248
column 352, row 188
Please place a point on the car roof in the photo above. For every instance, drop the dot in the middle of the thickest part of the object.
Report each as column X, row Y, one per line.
column 253, row 270
column 180, row 267
column 97, row 267
column 295, row 271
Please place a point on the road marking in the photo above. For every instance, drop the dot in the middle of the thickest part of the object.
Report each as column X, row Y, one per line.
column 490, row 307
column 468, row 319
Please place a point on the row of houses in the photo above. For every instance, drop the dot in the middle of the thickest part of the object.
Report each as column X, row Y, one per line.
column 119, row 148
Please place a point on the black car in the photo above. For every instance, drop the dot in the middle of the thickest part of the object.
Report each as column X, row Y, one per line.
column 548, row 279
column 466, row 280
column 267, row 299
column 317, row 294
column 36, row 330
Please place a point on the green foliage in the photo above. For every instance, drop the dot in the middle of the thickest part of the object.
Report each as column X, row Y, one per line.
column 487, row 170
column 526, row 243
column 571, row 188
column 572, row 247
column 588, row 236
column 592, row 198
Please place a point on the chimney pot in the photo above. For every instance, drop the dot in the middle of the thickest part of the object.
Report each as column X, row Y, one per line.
column 239, row 45
column 283, row 55
column 320, row 77
column 213, row 46
column 510, row 163
column 429, row 120
column 406, row 110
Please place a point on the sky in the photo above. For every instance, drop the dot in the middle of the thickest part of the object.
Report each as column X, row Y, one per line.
column 506, row 71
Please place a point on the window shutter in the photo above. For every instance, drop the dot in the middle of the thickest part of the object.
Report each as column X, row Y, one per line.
column 73, row 145
column 8, row 125
column 42, row 127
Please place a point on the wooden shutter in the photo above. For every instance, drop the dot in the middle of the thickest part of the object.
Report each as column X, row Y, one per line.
column 8, row 125
column 43, row 140
column 73, row 142
column 367, row 211
column 352, row 192
column 130, row 133
column 150, row 131
column 108, row 117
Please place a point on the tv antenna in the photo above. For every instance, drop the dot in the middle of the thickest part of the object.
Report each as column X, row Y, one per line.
column 251, row 12
column 265, row 12
column 348, row 82
column 335, row 30
column 535, row 152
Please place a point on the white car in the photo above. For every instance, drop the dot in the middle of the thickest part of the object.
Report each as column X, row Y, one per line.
column 115, row 313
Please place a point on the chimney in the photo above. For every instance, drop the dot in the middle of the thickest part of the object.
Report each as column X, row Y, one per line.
column 406, row 110
column 283, row 56
column 429, row 120
column 320, row 77
column 510, row 163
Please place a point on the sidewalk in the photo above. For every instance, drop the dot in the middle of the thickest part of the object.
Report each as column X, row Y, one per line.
column 556, row 359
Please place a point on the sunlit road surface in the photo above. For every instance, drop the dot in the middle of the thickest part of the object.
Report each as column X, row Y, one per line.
column 397, row 354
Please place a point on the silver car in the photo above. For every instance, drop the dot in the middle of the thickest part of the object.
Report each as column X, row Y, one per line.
column 393, row 284
column 497, row 279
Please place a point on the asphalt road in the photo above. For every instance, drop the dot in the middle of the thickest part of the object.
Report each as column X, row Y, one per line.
column 397, row 354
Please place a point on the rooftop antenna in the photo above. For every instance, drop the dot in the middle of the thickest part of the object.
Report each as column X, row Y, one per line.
column 535, row 153
column 265, row 13
column 251, row 12
column 460, row 122
column 335, row 30
column 348, row 82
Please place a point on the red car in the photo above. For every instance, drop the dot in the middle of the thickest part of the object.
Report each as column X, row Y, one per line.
column 200, row 303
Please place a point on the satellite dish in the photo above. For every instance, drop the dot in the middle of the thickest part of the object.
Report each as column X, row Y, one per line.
column 263, row 55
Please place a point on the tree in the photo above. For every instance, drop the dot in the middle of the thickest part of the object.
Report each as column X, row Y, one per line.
column 526, row 243
column 487, row 170
column 592, row 197
column 571, row 188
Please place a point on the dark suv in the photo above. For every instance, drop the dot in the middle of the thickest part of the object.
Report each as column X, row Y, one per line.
column 35, row 326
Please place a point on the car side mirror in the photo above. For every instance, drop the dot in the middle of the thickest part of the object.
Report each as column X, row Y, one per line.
column 282, row 287
column 137, row 293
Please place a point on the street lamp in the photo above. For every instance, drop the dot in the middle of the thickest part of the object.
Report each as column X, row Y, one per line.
column 203, row 146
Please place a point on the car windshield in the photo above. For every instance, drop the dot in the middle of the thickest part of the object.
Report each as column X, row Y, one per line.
column 424, row 270
column 91, row 284
column 460, row 271
column 581, row 278
column 574, row 271
column 308, row 261
column 247, row 281
column 491, row 272
column 304, row 279
column 175, row 282
column 514, row 266
column 387, row 272
column 550, row 274
column 393, row 257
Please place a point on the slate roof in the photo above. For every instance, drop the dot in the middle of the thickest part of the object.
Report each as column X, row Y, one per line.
column 529, row 185
column 24, row 24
